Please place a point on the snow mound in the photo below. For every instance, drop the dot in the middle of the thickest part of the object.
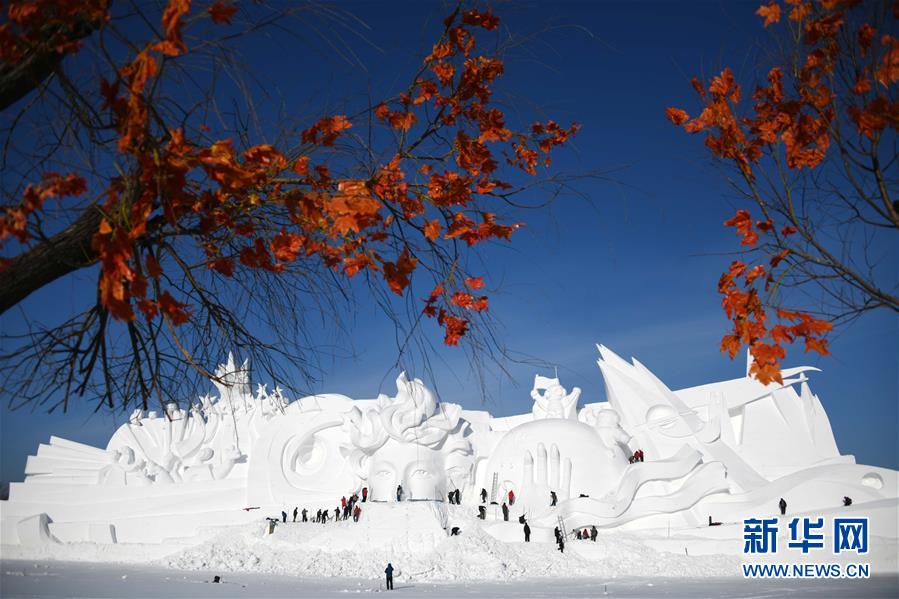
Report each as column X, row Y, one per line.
column 412, row 537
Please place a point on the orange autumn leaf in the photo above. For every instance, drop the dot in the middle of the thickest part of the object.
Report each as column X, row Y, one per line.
column 770, row 12
column 432, row 229
column 677, row 116
column 475, row 282
column 222, row 12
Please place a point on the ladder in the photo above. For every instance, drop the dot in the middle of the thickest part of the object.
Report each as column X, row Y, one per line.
column 494, row 488
column 562, row 529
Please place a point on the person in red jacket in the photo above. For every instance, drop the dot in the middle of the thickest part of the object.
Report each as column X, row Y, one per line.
column 511, row 497
column 364, row 494
column 343, row 502
column 356, row 513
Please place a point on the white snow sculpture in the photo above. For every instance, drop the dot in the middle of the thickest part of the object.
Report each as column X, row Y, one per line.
column 410, row 440
column 729, row 449
column 551, row 400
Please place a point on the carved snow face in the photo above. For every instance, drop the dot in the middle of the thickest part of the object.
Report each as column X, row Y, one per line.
column 420, row 469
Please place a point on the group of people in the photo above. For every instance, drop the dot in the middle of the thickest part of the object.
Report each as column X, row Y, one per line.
column 482, row 509
column 637, row 457
column 348, row 508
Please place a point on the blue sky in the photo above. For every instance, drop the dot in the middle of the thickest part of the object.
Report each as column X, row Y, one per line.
column 633, row 264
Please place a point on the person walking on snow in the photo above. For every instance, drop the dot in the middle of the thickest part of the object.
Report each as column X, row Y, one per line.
column 343, row 502
column 364, row 494
column 511, row 497
column 505, row 512
column 399, row 492
column 527, row 533
column 483, row 495
column 304, row 514
column 283, row 516
column 336, row 514
column 296, row 511
column 356, row 513
column 458, row 497
column 389, row 572
column 783, row 506
column 593, row 533
column 553, row 499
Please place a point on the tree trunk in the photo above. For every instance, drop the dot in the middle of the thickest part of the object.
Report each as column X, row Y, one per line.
column 65, row 252
column 17, row 80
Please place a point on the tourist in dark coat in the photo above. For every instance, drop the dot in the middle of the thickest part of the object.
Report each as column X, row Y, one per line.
column 389, row 572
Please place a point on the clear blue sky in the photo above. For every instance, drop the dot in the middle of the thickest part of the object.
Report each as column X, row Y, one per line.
column 634, row 267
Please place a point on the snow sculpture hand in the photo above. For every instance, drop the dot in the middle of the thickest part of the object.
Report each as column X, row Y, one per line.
column 541, row 477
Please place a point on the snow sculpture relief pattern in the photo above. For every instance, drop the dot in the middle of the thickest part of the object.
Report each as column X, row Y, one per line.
column 728, row 449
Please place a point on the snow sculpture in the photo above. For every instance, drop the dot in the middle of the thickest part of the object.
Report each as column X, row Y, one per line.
column 409, row 440
column 551, row 399
column 729, row 449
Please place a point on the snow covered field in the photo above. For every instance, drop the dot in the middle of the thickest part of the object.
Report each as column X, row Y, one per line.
column 79, row 579
column 336, row 558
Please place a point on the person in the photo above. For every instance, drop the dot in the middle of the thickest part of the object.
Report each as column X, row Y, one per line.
column 557, row 533
column 483, row 495
column 847, row 501
column 527, row 533
column 325, row 516
column 783, row 506
column 283, row 516
column 296, row 511
column 639, row 455
column 318, row 516
column 451, row 496
column 304, row 514
column 505, row 512
column 347, row 511
column 561, row 542
column 553, row 499
column 271, row 525
column 586, row 534
column 389, row 572
column 364, row 494
column 356, row 513
column 336, row 513
column 577, row 534
column 343, row 502
column 455, row 531
column 482, row 512
column 399, row 492
column 511, row 497
column 593, row 533
column 458, row 497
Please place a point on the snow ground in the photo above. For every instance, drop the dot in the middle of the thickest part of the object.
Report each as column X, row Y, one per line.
column 336, row 558
column 80, row 579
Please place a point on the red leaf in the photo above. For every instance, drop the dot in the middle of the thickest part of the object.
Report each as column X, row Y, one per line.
column 221, row 12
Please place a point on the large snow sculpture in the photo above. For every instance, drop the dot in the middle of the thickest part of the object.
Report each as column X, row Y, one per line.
column 729, row 449
column 551, row 400
column 412, row 441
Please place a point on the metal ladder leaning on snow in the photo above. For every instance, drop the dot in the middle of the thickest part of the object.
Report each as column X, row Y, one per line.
column 494, row 487
column 562, row 530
